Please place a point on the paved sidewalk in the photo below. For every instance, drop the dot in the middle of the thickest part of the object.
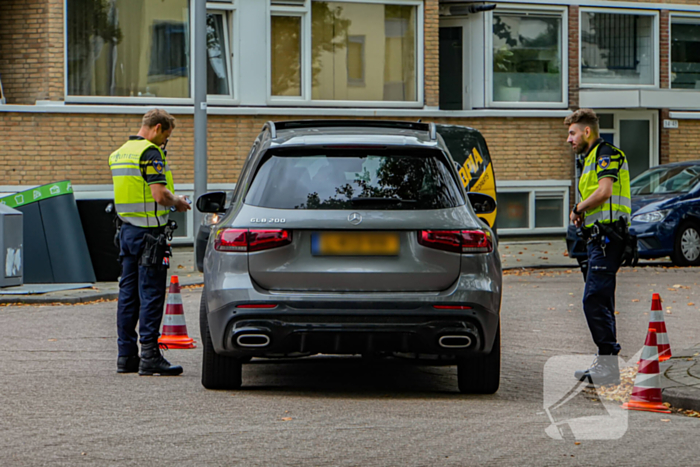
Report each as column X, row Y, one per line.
column 680, row 379
column 535, row 253
column 182, row 264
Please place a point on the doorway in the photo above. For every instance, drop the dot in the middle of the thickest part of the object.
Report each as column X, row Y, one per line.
column 635, row 132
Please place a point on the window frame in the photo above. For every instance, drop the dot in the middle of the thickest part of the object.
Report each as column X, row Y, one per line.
column 682, row 18
column 229, row 12
column 531, row 189
column 655, row 14
column 357, row 39
column 306, row 95
column 488, row 56
column 305, row 54
column 230, row 7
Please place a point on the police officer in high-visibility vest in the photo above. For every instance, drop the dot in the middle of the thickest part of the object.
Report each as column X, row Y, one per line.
column 143, row 197
column 604, row 214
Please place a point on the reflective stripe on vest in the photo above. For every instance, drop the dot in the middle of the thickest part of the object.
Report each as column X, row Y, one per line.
column 619, row 204
column 132, row 195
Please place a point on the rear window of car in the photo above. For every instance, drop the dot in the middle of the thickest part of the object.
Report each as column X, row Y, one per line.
column 354, row 179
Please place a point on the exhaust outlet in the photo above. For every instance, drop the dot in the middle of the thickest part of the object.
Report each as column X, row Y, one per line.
column 253, row 340
column 455, row 341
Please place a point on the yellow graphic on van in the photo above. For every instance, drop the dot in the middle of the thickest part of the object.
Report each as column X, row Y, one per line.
column 478, row 177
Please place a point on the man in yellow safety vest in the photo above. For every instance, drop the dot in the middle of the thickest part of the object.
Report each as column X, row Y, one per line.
column 143, row 197
column 603, row 213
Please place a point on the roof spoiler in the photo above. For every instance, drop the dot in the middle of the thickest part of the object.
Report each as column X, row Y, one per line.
column 298, row 124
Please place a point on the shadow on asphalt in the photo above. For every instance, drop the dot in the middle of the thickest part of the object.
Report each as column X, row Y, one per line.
column 353, row 377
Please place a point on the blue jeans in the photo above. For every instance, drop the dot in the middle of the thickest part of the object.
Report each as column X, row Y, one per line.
column 141, row 293
column 599, row 295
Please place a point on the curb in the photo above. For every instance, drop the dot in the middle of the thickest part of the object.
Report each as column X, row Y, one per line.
column 687, row 398
column 543, row 266
column 48, row 300
column 30, row 299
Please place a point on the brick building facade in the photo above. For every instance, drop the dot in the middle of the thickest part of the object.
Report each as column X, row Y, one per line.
column 62, row 117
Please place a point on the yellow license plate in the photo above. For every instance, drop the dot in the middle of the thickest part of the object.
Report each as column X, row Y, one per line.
column 355, row 243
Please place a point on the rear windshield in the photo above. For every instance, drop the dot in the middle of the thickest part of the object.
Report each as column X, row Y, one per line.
column 354, row 179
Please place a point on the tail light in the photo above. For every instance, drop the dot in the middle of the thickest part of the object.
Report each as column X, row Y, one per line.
column 257, row 305
column 245, row 240
column 452, row 307
column 457, row 241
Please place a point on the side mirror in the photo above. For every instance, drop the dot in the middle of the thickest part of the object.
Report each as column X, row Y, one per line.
column 212, row 202
column 482, row 204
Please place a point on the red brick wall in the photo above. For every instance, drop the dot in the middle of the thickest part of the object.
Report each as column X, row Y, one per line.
column 683, row 144
column 23, row 50
column 31, row 50
column 50, row 147
column 55, row 83
column 664, row 52
column 573, row 56
column 432, row 53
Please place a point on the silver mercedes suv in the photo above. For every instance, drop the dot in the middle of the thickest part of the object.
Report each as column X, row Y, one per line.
column 351, row 237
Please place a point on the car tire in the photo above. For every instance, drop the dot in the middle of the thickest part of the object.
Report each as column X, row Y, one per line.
column 218, row 371
column 686, row 247
column 481, row 374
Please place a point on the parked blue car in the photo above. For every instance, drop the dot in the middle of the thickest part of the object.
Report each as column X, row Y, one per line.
column 665, row 214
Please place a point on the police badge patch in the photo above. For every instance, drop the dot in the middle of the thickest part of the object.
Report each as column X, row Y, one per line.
column 604, row 162
column 158, row 165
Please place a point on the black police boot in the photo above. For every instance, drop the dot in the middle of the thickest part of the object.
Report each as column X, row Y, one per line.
column 604, row 370
column 128, row 364
column 153, row 362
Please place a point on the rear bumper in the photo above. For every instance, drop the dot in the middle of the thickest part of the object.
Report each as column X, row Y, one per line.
column 354, row 328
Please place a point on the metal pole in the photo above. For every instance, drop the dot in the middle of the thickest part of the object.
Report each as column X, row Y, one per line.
column 200, row 105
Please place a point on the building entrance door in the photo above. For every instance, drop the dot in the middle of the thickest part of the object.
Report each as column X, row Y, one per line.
column 635, row 132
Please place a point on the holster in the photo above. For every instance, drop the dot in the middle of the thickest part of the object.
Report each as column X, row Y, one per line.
column 118, row 226
column 619, row 231
column 155, row 251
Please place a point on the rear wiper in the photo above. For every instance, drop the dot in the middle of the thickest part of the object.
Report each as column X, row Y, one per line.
column 368, row 200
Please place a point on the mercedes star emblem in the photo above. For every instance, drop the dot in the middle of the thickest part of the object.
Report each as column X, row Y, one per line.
column 355, row 218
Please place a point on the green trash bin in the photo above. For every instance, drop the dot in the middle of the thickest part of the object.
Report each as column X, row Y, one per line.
column 55, row 250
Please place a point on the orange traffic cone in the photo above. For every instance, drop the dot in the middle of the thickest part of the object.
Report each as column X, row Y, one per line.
column 658, row 324
column 646, row 394
column 174, row 327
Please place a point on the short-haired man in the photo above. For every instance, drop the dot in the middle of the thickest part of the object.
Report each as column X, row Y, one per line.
column 143, row 196
column 603, row 213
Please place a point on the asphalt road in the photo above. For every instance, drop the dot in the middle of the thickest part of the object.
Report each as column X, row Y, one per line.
column 62, row 403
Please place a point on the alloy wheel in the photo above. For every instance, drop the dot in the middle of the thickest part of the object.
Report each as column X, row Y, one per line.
column 690, row 244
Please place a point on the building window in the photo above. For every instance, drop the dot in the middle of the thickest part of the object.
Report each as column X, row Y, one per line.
column 532, row 207
column 356, row 60
column 120, row 48
column 168, row 51
column 527, row 57
column 345, row 51
column 218, row 55
column 286, row 55
column 549, row 210
column 513, row 211
column 618, row 48
column 685, row 53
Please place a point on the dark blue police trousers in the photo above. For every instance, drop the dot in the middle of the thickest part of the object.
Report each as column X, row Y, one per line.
column 141, row 292
column 599, row 295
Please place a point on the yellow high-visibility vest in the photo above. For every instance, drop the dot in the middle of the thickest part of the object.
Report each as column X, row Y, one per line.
column 132, row 195
column 620, row 203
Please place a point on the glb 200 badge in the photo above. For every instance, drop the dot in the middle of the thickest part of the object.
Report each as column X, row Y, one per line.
column 277, row 220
